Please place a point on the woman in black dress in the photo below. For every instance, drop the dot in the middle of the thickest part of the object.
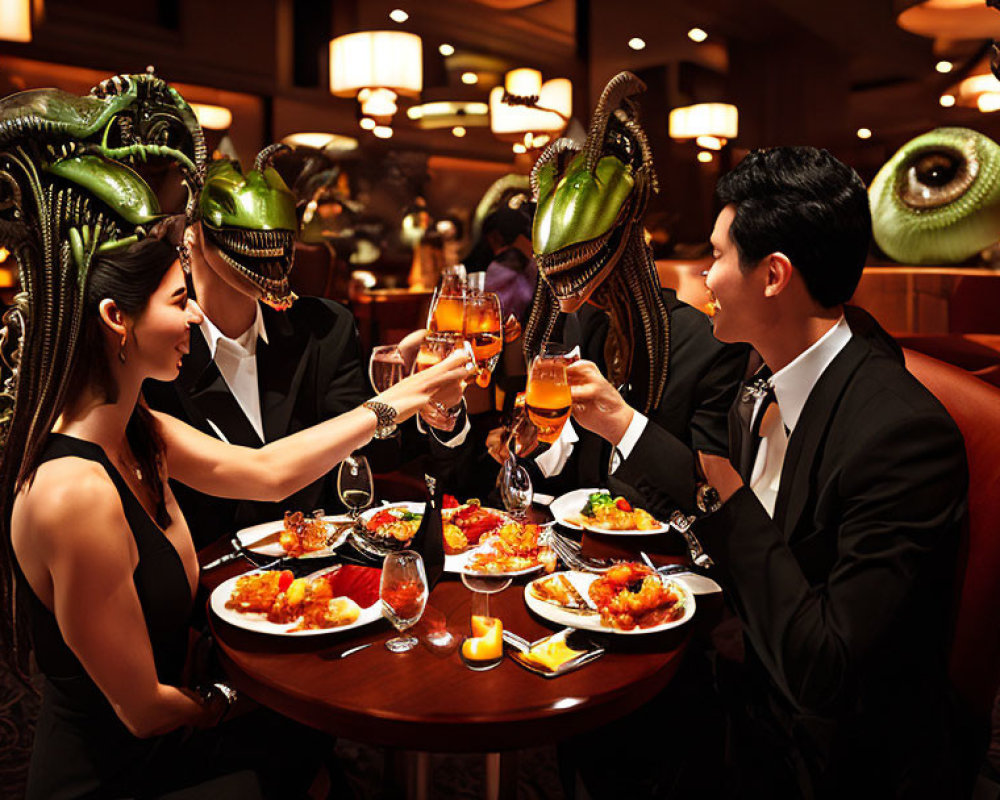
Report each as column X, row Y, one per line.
column 102, row 569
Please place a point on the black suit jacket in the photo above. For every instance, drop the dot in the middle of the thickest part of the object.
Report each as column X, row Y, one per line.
column 843, row 596
column 703, row 377
column 309, row 370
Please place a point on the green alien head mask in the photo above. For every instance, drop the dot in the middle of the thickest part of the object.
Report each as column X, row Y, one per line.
column 937, row 200
column 251, row 220
column 588, row 241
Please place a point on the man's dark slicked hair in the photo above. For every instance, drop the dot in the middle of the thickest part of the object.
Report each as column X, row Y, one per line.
column 804, row 203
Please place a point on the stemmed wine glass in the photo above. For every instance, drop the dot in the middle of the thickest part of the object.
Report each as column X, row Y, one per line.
column 436, row 347
column 386, row 367
column 354, row 484
column 483, row 328
column 547, row 399
column 403, row 591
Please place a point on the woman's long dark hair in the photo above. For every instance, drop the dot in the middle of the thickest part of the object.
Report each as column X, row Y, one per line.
column 128, row 277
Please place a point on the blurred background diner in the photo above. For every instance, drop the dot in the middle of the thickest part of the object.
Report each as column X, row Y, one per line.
column 411, row 129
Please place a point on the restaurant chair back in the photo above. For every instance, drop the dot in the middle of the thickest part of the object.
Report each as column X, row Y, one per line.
column 974, row 660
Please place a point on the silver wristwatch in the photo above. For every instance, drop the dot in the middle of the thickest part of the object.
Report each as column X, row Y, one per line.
column 385, row 418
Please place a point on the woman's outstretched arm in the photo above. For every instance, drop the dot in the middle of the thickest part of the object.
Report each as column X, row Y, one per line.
column 282, row 467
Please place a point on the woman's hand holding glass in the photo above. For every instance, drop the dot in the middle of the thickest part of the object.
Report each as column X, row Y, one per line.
column 442, row 410
column 434, row 381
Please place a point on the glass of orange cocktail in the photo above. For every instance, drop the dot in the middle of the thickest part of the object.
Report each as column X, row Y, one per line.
column 483, row 328
column 547, row 399
column 435, row 347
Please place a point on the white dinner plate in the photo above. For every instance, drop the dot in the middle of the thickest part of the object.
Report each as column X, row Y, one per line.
column 592, row 622
column 260, row 539
column 460, row 564
column 566, row 510
column 258, row 623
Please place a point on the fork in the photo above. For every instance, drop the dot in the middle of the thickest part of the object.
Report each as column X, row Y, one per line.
column 570, row 553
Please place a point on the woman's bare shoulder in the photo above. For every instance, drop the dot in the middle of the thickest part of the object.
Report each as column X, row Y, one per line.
column 68, row 494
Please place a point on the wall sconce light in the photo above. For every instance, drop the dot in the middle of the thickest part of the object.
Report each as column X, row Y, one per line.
column 376, row 67
column 719, row 121
column 15, row 20
column 215, row 118
column 526, row 111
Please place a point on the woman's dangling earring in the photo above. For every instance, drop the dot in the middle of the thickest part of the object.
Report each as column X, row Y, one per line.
column 121, row 349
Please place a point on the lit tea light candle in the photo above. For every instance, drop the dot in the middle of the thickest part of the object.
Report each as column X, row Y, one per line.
column 486, row 642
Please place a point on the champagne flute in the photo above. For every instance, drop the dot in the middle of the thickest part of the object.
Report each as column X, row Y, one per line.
column 435, row 348
column 547, row 399
column 483, row 328
column 354, row 484
column 386, row 367
column 403, row 592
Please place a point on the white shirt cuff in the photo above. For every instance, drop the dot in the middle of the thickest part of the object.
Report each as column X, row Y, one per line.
column 455, row 440
column 552, row 461
column 632, row 434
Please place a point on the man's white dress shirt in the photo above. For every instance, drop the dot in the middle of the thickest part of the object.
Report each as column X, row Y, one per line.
column 237, row 361
column 792, row 385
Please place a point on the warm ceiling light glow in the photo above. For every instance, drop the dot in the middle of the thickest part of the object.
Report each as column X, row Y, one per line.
column 449, row 113
column 520, row 148
column 947, row 100
column 988, row 101
column 943, row 66
column 322, row 141
column 864, row 133
column 382, row 131
column 704, row 119
column 704, row 156
column 376, row 59
column 398, row 15
column 636, row 43
column 15, row 20
column 446, row 49
column 4, row 252
column 367, row 123
column 523, row 82
column 379, row 103
column 709, row 142
column 470, row 78
column 512, row 122
column 215, row 118
column 458, row 131
column 697, row 35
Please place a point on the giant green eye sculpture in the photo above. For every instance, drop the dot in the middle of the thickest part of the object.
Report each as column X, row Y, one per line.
column 937, row 200
column 68, row 192
column 589, row 245
column 251, row 220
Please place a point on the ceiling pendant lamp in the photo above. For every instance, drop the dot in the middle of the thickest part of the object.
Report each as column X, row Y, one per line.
column 376, row 67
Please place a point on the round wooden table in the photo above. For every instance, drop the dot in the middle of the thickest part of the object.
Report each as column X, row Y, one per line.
column 427, row 699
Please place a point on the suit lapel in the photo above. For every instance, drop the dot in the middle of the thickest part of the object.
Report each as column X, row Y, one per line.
column 280, row 368
column 809, row 433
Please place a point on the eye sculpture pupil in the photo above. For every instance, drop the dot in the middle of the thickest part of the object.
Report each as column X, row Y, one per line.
column 936, row 169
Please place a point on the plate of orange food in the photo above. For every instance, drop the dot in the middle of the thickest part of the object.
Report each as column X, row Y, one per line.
column 467, row 524
column 513, row 549
column 599, row 511
column 297, row 535
column 276, row 602
column 630, row 599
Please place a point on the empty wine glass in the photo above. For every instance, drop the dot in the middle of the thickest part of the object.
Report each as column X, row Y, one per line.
column 403, row 592
column 386, row 367
column 354, row 484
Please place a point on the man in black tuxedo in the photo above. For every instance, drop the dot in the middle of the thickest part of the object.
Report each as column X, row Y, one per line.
column 255, row 374
column 835, row 540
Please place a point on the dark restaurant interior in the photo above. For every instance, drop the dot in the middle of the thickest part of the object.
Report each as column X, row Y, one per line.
column 393, row 180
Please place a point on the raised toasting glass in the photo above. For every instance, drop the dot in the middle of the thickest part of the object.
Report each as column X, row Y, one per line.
column 403, row 592
column 447, row 311
column 547, row 398
column 436, row 347
column 483, row 327
column 386, row 367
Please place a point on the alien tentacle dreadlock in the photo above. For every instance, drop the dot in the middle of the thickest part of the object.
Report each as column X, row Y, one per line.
column 589, row 243
column 67, row 194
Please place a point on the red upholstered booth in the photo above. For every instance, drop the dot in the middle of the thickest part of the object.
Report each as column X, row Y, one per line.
column 974, row 661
